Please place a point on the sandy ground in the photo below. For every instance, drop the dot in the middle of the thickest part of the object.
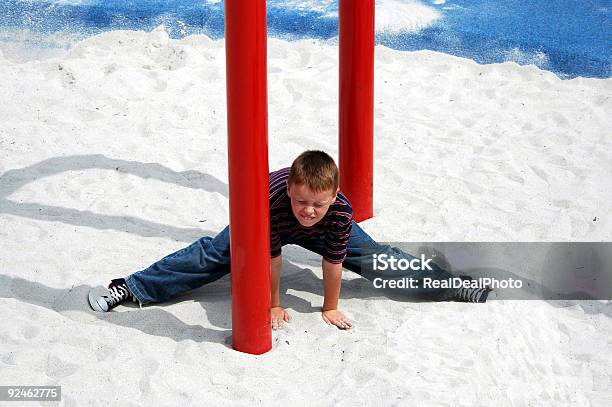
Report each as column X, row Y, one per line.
column 115, row 155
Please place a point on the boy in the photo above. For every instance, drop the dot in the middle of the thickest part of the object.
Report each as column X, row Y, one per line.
column 307, row 209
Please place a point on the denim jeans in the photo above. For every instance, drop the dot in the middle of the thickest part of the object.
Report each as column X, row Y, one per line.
column 208, row 259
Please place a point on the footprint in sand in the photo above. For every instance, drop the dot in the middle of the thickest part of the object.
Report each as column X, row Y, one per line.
column 66, row 77
column 8, row 359
column 296, row 96
column 304, row 59
column 57, row 368
column 104, row 352
column 600, row 100
column 150, row 367
column 30, row 332
column 159, row 85
column 110, row 68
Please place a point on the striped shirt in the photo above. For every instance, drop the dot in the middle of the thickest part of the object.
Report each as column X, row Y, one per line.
column 334, row 229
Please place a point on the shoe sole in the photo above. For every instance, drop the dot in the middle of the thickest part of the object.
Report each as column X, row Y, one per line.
column 93, row 302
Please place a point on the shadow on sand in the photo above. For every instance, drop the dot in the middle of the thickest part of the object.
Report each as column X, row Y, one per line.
column 12, row 180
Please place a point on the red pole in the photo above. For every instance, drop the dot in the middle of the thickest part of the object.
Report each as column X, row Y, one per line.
column 356, row 121
column 247, row 130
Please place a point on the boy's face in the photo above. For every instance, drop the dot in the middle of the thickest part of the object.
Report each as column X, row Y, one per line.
column 309, row 207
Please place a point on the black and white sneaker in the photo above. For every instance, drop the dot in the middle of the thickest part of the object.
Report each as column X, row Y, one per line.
column 478, row 295
column 117, row 293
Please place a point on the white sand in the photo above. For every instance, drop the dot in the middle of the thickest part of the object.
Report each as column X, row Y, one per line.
column 115, row 155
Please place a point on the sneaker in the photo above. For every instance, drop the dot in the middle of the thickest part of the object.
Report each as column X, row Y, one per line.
column 478, row 295
column 117, row 293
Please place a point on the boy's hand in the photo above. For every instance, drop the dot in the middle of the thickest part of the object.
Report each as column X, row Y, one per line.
column 279, row 317
column 337, row 318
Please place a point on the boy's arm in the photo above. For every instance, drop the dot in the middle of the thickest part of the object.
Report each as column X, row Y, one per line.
column 332, row 281
column 275, row 267
column 278, row 315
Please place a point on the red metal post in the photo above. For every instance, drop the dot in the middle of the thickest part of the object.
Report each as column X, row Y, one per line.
column 247, row 129
column 356, row 121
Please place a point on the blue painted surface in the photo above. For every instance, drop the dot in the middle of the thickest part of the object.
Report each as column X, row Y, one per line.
column 569, row 37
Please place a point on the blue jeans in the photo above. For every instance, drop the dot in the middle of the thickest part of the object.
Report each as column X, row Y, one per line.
column 208, row 259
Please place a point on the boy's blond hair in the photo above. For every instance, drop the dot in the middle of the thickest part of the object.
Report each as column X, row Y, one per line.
column 316, row 170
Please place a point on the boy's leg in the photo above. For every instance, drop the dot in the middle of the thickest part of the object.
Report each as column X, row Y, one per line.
column 362, row 248
column 202, row 262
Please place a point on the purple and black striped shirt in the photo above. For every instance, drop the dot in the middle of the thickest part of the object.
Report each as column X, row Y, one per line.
column 334, row 229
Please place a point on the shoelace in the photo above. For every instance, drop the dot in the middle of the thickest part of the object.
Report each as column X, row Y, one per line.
column 471, row 294
column 117, row 294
